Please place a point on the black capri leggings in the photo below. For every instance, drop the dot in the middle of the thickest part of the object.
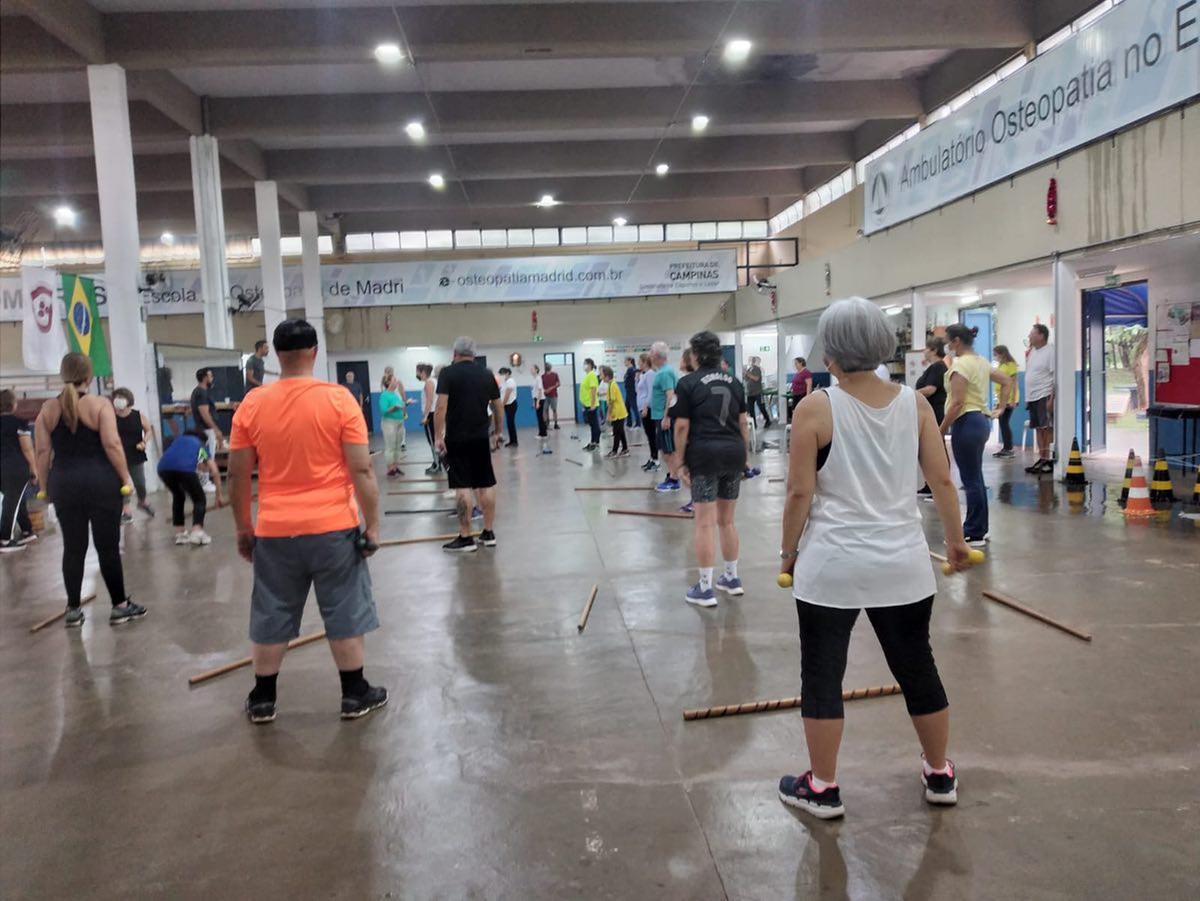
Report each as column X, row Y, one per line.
column 183, row 485
column 903, row 633
column 650, row 426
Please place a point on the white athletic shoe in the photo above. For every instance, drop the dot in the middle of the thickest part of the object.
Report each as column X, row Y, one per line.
column 182, row 538
column 200, row 537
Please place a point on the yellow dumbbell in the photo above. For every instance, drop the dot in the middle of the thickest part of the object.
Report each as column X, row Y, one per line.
column 41, row 495
column 974, row 558
column 126, row 490
column 784, row 580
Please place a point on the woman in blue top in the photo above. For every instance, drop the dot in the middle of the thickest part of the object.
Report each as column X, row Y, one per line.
column 392, row 412
column 177, row 469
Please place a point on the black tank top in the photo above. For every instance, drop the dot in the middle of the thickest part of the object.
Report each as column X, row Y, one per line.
column 81, row 445
column 130, row 429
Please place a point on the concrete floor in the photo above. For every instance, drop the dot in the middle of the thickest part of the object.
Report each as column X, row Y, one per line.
column 520, row 760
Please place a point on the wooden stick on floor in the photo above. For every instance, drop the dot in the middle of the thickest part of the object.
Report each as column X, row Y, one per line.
column 1029, row 611
column 617, row 488
column 777, row 480
column 939, row 557
column 569, row 460
column 587, row 610
column 419, row 491
column 662, row 514
column 246, row 661
column 51, row 620
column 403, row 512
column 395, row 542
column 854, row 694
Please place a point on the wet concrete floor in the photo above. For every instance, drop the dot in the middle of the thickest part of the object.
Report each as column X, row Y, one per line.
column 519, row 759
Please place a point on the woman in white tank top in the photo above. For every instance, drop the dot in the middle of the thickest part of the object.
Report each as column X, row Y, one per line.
column 428, row 403
column 853, row 535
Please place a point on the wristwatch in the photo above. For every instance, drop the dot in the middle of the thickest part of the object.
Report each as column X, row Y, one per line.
column 787, row 555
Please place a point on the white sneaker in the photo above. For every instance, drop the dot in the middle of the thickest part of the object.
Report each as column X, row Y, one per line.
column 200, row 537
column 182, row 538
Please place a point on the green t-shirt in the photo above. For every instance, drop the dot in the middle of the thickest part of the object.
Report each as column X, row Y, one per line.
column 588, row 389
column 664, row 380
column 389, row 399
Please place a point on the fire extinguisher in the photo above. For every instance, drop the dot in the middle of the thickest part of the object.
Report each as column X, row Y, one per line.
column 533, row 321
column 774, row 302
column 1052, row 203
column 387, row 322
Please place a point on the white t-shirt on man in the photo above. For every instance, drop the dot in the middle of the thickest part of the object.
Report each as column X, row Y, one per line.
column 1039, row 373
column 510, row 384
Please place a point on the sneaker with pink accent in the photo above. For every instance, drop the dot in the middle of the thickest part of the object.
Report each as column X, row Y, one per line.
column 798, row 792
column 940, row 788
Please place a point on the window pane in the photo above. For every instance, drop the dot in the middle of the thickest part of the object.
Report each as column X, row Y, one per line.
column 625, row 234
column 679, row 231
column 440, row 240
column 574, row 235
column 650, row 233
column 599, row 234
column 727, row 230
column 494, row 237
column 704, row 231
column 412, row 240
column 546, row 237
column 467, row 238
column 520, row 237
column 355, row 243
column 324, row 244
column 387, row 240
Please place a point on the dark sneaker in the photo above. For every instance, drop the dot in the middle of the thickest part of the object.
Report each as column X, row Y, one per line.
column 1039, row 467
column 259, row 712
column 74, row 618
column 688, row 508
column 1005, row 452
column 463, row 544
column 126, row 518
column 487, row 538
column 123, row 613
column 147, row 509
column 731, row 586
column 941, row 788
column 797, row 791
column 701, row 597
column 431, row 470
column 374, row 698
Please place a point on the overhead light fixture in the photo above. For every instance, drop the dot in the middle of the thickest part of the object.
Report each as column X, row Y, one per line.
column 418, row 347
column 166, row 238
column 620, row 222
column 737, row 49
column 1096, row 272
column 970, row 298
column 415, row 130
column 699, row 123
column 892, row 311
column 389, row 54
column 437, row 180
column 547, row 200
column 594, row 341
column 65, row 217
column 662, row 168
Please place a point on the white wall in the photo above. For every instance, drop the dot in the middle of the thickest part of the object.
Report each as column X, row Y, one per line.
column 1016, row 313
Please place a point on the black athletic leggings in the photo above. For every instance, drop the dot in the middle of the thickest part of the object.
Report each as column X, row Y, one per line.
column 510, row 417
column 903, row 633
column 1006, row 432
column 650, row 425
column 17, row 490
column 182, row 486
column 75, row 516
column 620, row 442
column 427, row 424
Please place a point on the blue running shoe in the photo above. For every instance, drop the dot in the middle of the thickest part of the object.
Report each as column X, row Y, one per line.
column 667, row 484
column 797, row 791
column 701, row 597
column 732, row 587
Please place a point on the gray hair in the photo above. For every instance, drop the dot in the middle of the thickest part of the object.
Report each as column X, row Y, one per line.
column 464, row 346
column 855, row 335
column 659, row 349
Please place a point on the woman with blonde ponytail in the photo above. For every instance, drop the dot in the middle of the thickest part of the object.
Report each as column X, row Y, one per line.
column 82, row 464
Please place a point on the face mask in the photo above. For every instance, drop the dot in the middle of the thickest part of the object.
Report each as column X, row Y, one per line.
column 120, row 403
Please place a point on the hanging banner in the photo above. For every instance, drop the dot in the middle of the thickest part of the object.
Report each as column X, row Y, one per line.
column 42, row 341
column 1139, row 58
column 85, row 330
column 500, row 280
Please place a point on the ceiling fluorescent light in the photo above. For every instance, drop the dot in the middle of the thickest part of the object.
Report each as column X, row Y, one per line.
column 594, row 341
column 437, row 180
column 65, row 217
column 418, row 347
column 737, row 50
column 389, row 53
column 620, row 222
column 1096, row 272
column 547, row 200
column 166, row 238
column 662, row 168
column 415, row 130
column 699, row 122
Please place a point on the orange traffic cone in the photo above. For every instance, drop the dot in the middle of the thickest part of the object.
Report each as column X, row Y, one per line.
column 1138, row 505
column 1129, row 464
column 1161, row 489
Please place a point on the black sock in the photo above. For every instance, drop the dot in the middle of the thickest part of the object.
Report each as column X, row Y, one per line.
column 353, row 683
column 264, row 689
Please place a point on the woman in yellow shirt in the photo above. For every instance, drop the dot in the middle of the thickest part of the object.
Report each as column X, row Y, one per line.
column 1008, row 399
column 967, row 385
column 616, row 413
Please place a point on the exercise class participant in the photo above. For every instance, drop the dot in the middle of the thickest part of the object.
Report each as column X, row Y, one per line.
column 256, row 369
column 17, row 466
column 177, row 469
column 551, row 381
column 136, row 432
column 802, row 384
column 1039, row 396
column 969, row 424
column 662, row 391
column 754, row 391
column 392, row 413
column 428, row 402
column 1009, row 398
column 932, row 386
column 539, row 401
column 81, row 463
column 308, row 440
column 508, row 399
column 616, row 413
column 589, row 399
column 204, row 411
column 711, row 434
column 634, row 418
column 852, row 474
column 645, row 385
column 465, row 390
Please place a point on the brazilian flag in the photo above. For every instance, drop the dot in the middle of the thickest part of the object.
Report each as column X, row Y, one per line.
column 85, row 330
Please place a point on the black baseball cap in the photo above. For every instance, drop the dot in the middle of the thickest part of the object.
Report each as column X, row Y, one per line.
column 294, row 334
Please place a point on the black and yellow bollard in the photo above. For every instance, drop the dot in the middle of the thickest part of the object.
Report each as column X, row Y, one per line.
column 1196, row 490
column 1129, row 464
column 1074, row 474
column 1161, row 489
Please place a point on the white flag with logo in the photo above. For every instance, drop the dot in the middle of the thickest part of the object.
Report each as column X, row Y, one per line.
column 43, row 342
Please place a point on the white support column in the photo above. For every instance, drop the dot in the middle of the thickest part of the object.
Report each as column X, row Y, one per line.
column 314, row 300
column 132, row 361
column 920, row 322
column 266, row 201
column 210, row 234
column 1066, row 353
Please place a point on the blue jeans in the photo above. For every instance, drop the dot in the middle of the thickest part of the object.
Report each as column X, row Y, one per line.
column 634, row 419
column 592, row 418
column 968, row 435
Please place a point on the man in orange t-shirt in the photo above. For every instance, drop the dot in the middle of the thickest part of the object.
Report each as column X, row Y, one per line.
column 308, row 440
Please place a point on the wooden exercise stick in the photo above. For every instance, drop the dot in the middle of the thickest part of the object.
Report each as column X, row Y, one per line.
column 617, row 488
column 51, row 620
column 1029, row 611
column 569, row 460
column 246, row 661
column 854, row 694
column 939, row 557
column 394, row 542
column 587, row 610
column 663, row 514
column 419, row 491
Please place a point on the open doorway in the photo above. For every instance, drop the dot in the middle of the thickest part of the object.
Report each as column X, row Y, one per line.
column 1116, row 368
column 362, row 378
column 564, row 365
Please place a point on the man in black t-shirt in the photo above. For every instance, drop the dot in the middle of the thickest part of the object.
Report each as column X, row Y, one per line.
column 16, row 471
column 932, row 384
column 711, row 434
column 461, row 428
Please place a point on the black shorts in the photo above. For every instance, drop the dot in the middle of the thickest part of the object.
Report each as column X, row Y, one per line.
column 1039, row 414
column 470, row 463
column 708, row 487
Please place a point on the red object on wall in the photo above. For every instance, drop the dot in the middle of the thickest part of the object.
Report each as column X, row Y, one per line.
column 533, row 321
column 387, row 322
column 1052, row 203
column 774, row 302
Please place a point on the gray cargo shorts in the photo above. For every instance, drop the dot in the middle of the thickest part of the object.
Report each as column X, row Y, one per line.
column 286, row 568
